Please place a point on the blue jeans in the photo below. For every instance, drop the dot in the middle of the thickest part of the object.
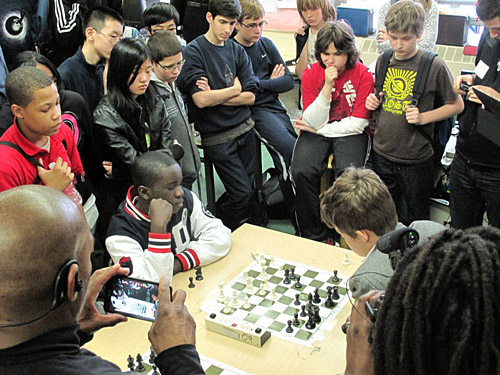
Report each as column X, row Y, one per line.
column 410, row 186
column 474, row 190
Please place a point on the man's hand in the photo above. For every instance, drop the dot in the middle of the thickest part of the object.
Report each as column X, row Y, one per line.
column 382, row 35
column 372, row 102
column 487, row 90
column 278, row 71
column 202, row 84
column 299, row 124
column 160, row 212
column 174, row 325
column 466, row 78
column 237, row 85
column 359, row 358
column 90, row 320
column 59, row 177
column 413, row 116
column 331, row 75
column 300, row 31
column 108, row 166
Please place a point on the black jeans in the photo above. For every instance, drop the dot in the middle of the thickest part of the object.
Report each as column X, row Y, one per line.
column 474, row 190
column 410, row 186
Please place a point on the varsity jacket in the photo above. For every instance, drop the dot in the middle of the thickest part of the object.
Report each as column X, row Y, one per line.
column 194, row 237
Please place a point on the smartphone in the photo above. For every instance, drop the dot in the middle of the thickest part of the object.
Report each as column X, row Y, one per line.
column 132, row 297
column 464, row 87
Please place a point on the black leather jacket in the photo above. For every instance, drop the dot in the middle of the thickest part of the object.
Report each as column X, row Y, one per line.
column 121, row 144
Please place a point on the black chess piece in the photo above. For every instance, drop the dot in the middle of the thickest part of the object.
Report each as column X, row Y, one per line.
column 292, row 274
column 130, row 363
column 298, row 285
column 155, row 370
column 297, row 302
column 303, row 310
column 198, row 273
column 289, row 328
column 335, row 278
column 287, row 277
column 152, row 356
column 336, row 295
column 287, row 272
column 191, row 283
column 140, row 365
column 316, row 316
column 310, row 324
column 329, row 302
column 316, row 298
column 296, row 321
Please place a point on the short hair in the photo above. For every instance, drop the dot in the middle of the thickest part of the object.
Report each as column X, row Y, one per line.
column 22, row 83
column 224, row 8
column 97, row 16
column 32, row 58
column 406, row 17
column 327, row 8
column 359, row 200
column 159, row 13
column 251, row 9
column 488, row 9
column 148, row 167
column 340, row 34
column 440, row 303
column 163, row 44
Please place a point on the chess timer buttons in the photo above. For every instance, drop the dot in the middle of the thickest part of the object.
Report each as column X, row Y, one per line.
column 237, row 330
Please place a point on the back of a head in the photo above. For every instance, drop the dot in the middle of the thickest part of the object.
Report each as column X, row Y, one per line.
column 406, row 17
column 158, row 13
column 488, row 9
column 32, row 58
column 440, row 314
column 358, row 200
column 40, row 229
column 251, row 9
column 22, row 83
column 224, row 8
column 327, row 8
column 163, row 44
column 97, row 16
column 340, row 34
column 148, row 167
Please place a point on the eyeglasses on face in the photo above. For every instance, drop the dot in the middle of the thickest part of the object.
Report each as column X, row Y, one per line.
column 255, row 25
column 173, row 66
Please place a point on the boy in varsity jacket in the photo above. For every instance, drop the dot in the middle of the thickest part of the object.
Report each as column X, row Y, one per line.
column 162, row 228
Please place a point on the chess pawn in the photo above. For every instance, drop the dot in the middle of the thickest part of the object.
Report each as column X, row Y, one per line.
column 271, row 261
column 346, row 260
column 234, row 302
column 262, row 291
column 249, row 287
column 245, row 276
column 221, row 297
column 227, row 309
column 273, row 293
column 246, row 304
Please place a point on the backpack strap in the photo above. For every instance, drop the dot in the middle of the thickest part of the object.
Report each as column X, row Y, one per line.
column 422, row 73
column 31, row 159
column 382, row 70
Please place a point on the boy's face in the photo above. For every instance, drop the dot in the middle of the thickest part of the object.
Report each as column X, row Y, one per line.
column 168, row 187
column 332, row 57
column 220, row 28
column 169, row 68
column 314, row 17
column 42, row 116
column 494, row 27
column 250, row 30
column 105, row 39
column 141, row 81
column 167, row 26
column 355, row 243
column 404, row 45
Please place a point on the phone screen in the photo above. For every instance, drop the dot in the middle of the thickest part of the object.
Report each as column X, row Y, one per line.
column 131, row 297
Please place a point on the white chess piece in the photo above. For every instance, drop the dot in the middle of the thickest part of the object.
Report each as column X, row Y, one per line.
column 234, row 302
column 249, row 287
column 271, row 261
column 346, row 260
column 262, row 291
column 221, row 297
column 245, row 276
column 246, row 304
column 273, row 293
column 226, row 309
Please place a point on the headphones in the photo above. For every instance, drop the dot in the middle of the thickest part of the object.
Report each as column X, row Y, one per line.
column 60, row 292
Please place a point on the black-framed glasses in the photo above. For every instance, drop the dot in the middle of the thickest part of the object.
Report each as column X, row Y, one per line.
column 172, row 67
column 110, row 38
column 255, row 25
column 171, row 28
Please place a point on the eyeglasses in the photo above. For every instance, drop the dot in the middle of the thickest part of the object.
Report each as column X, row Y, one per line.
column 255, row 25
column 111, row 38
column 172, row 67
column 170, row 28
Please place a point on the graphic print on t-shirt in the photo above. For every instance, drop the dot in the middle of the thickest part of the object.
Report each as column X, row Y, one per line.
column 398, row 89
column 339, row 108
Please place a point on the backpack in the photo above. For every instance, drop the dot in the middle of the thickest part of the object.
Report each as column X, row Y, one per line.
column 442, row 129
column 273, row 197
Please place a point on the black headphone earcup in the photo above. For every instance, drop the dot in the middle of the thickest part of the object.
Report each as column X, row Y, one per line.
column 61, row 285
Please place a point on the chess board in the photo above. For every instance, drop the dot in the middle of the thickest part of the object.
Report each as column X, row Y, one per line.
column 272, row 314
column 210, row 366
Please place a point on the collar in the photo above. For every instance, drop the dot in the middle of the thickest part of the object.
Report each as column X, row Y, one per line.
column 18, row 138
column 131, row 208
column 89, row 67
column 155, row 79
column 370, row 252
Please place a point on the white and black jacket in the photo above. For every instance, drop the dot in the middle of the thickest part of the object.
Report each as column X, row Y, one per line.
column 194, row 236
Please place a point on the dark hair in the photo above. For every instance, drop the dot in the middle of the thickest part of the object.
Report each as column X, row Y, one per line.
column 441, row 313
column 341, row 34
column 148, row 167
column 126, row 58
column 97, row 16
column 21, row 84
column 31, row 58
column 159, row 13
column 224, row 8
column 488, row 9
column 163, row 44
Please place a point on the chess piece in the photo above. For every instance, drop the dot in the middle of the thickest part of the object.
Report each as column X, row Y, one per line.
column 140, row 365
column 198, row 273
column 335, row 278
column 191, row 283
column 245, row 276
column 221, row 297
column 152, row 356
column 130, row 363
column 246, row 304
column 155, row 370
column 287, row 277
column 289, row 328
column 271, row 261
column 346, row 260
column 273, row 293
column 303, row 310
column 310, row 324
column 262, row 291
column 292, row 274
column 280, row 271
column 298, row 285
column 296, row 321
column 234, row 302
column 227, row 309
column 297, row 302
column 336, row 295
column 316, row 298
column 249, row 287
column 316, row 316
column 329, row 302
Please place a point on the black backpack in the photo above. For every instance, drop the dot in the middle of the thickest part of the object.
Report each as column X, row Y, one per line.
column 442, row 129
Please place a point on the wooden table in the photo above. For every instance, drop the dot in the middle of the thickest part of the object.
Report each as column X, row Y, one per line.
column 277, row 356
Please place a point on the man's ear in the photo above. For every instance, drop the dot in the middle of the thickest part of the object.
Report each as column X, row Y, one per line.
column 74, row 283
column 209, row 18
column 17, row 110
column 238, row 25
column 144, row 192
column 363, row 235
column 90, row 33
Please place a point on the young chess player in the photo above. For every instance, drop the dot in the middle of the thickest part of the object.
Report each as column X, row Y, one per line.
column 162, row 228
